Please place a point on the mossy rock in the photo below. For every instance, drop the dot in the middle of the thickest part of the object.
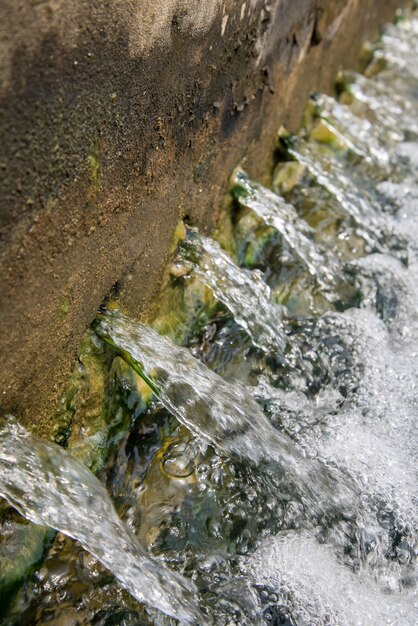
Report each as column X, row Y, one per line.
column 22, row 546
column 254, row 240
column 287, row 176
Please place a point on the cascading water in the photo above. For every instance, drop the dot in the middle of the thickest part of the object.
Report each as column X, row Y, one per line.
column 231, row 284
column 336, row 182
column 274, row 212
column 358, row 134
column 49, row 486
column 275, row 461
column 394, row 114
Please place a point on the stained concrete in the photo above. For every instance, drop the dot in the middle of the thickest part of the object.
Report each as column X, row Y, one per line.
column 119, row 117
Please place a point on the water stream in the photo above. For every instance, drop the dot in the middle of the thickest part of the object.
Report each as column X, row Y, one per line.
column 49, row 486
column 275, row 212
column 265, row 471
column 261, row 318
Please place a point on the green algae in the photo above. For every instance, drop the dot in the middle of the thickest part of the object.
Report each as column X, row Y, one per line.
column 103, row 391
column 105, row 395
column 22, row 547
column 184, row 304
column 288, row 176
column 109, row 392
column 93, row 164
column 107, row 383
column 83, row 403
column 64, row 306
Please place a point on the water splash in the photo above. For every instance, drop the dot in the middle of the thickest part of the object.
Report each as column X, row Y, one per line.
column 399, row 48
column 296, row 573
column 275, row 212
column 391, row 112
column 220, row 413
column 330, row 175
column 303, row 510
column 48, row 486
column 233, row 286
column 356, row 133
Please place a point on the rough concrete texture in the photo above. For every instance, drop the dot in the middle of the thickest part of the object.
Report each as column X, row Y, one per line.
column 118, row 117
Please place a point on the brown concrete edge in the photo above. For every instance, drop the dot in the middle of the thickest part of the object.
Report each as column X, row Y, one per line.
column 104, row 146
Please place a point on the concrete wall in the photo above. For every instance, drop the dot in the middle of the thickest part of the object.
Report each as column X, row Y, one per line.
column 118, row 117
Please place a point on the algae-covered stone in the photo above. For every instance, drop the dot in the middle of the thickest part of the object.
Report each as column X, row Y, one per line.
column 323, row 133
column 171, row 477
column 254, row 239
column 81, row 409
column 133, row 390
column 102, row 391
column 22, row 546
column 118, row 397
column 287, row 176
column 84, row 404
column 185, row 304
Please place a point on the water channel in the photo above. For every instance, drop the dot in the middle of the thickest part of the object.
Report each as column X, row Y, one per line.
column 256, row 462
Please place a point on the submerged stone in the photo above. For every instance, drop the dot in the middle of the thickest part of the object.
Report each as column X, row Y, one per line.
column 22, row 546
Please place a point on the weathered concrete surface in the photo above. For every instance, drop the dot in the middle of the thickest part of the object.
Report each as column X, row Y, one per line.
column 117, row 118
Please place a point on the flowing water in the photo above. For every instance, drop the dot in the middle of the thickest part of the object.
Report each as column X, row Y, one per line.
column 230, row 284
column 272, row 458
column 337, row 182
column 275, row 212
column 49, row 486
